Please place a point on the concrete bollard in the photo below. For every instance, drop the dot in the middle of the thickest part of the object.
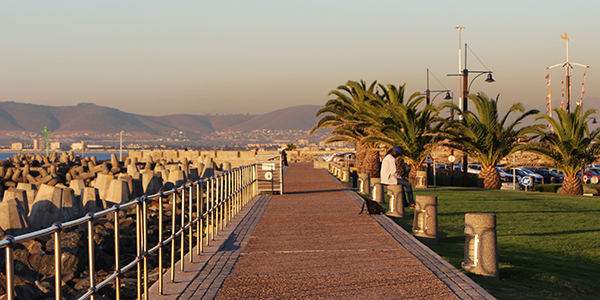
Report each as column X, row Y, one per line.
column 378, row 193
column 364, row 184
column 481, row 245
column 396, row 205
column 345, row 174
column 421, row 180
column 425, row 220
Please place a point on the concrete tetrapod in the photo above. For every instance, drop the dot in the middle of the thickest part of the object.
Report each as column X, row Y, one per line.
column 13, row 219
column 20, row 195
column 46, row 207
column 481, row 245
column 118, row 193
column 90, row 199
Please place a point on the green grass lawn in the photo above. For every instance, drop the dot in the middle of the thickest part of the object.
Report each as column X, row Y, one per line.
column 548, row 244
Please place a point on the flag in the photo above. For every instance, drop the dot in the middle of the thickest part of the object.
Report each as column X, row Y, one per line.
column 582, row 88
column 562, row 82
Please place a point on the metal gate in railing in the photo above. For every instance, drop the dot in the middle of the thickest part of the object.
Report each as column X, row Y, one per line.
column 269, row 173
column 203, row 207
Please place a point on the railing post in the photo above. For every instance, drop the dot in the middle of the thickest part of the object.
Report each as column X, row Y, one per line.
column 191, row 220
column 138, row 236
column 92, row 257
column 117, row 253
column 57, row 262
column 160, row 240
column 208, row 212
column 199, row 227
column 10, row 268
column 173, row 224
column 182, row 247
column 145, row 243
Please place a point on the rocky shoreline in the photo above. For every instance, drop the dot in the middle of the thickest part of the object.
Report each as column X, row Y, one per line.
column 66, row 187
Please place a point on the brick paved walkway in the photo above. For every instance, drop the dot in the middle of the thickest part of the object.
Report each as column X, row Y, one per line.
column 311, row 243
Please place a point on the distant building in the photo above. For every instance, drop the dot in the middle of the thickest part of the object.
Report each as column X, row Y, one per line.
column 55, row 146
column 302, row 142
column 17, row 146
column 35, row 144
column 77, row 146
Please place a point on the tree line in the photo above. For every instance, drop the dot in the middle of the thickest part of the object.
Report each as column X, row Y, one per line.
column 376, row 115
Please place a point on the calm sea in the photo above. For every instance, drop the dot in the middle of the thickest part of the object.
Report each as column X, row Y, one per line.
column 98, row 155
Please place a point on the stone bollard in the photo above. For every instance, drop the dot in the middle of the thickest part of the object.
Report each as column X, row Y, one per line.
column 378, row 193
column 421, row 180
column 364, row 184
column 345, row 174
column 425, row 221
column 481, row 246
column 396, row 205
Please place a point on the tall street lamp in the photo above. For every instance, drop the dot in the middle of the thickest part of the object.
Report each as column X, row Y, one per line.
column 428, row 92
column 465, row 87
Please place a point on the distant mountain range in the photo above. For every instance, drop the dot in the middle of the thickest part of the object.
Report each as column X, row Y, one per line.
column 95, row 119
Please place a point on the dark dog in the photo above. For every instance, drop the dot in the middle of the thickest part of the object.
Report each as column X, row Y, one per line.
column 373, row 208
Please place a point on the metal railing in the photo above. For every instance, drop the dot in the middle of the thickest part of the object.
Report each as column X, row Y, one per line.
column 211, row 204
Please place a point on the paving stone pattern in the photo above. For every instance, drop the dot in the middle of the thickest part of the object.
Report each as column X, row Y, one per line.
column 203, row 277
column 311, row 243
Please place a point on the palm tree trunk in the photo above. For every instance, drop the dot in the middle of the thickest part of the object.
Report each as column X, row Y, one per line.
column 572, row 185
column 412, row 176
column 372, row 163
column 360, row 159
column 491, row 178
column 400, row 166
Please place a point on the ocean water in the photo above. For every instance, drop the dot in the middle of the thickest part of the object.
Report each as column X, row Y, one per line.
column 98, row 155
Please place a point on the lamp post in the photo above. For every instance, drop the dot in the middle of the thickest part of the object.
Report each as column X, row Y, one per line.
column 465, row 95
column 121, row 146
column 428, row 92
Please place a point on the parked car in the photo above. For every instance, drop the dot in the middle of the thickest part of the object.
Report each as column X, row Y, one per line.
column 505, row 176
column 474, row 168
column 524, row 172
column 548, row 176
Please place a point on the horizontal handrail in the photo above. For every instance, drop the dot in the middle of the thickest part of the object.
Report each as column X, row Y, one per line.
column 217, row 200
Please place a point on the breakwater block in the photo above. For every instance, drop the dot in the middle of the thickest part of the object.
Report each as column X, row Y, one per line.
column 91, row 199
column 13, row 219
column 20, row 196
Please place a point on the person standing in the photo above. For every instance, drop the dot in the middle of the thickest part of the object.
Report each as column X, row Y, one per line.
column 389, row 176
column 284, row 157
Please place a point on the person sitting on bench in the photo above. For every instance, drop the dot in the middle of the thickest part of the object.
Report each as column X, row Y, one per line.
column 389, row 176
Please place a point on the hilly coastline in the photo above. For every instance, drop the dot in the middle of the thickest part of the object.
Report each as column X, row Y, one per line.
column 95, row 119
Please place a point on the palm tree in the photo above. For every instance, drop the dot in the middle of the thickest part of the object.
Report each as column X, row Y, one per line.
column 402, row 124
column 570, row 147
column 485, row 136
column 342, row 114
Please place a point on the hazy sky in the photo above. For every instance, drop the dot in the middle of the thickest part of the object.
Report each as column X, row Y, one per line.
column 167, row 57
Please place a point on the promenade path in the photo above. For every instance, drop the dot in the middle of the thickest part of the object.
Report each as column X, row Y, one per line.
column 311, row 243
